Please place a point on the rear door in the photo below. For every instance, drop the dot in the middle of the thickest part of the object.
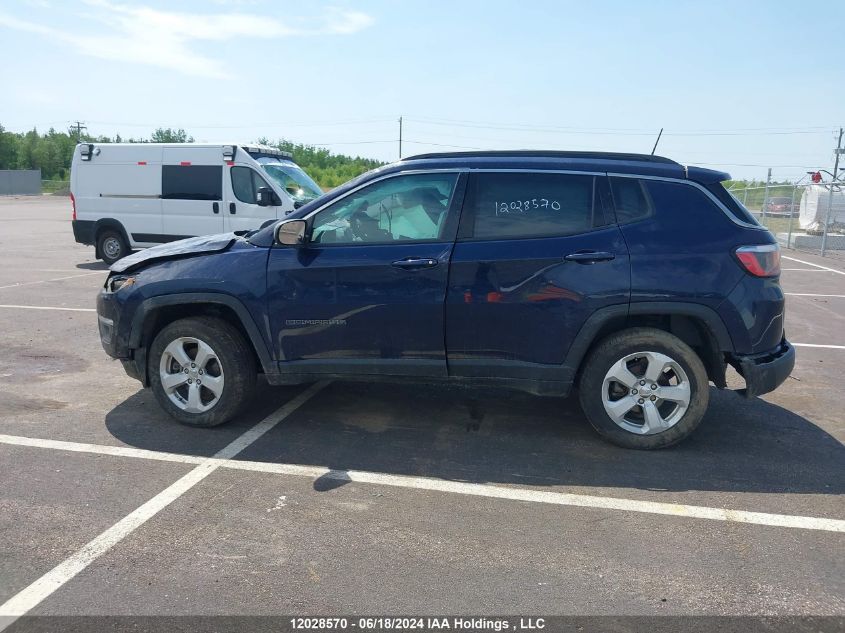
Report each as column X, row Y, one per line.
column 536, row 255
column 242, row 210
column 191, row 193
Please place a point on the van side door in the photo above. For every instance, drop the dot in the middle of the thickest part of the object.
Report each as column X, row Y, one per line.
column 191, row 193
column 242, row 212
column 537, row 254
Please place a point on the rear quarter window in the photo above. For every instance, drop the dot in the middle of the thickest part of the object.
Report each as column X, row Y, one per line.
column 681, row 204
column 733, row 204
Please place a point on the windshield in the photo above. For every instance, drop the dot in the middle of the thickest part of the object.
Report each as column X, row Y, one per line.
column 293, row 181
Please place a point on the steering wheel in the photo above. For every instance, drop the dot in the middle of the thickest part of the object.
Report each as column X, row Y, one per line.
column 358, row 221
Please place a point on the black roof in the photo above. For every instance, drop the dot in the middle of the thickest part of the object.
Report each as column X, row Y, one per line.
column 527, row 153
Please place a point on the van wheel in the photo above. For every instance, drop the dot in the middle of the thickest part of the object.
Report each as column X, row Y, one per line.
column 201, row 371
column 111, row 246
column 644, row 388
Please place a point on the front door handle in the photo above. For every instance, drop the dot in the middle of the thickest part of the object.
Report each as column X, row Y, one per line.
column 232, row 208
column 411, row 263
column 590, row 257
column 215, row 207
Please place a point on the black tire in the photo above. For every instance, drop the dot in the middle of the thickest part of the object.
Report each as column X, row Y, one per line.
column 111, row 246
column 616, row 347
column 236, row 361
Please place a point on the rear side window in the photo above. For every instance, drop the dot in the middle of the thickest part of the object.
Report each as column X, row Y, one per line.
column 192, row 182
column 517, row 205
column 630, row 199
column 245, row 184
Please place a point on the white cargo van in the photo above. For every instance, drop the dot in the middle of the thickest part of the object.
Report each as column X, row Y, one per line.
column 135, row 195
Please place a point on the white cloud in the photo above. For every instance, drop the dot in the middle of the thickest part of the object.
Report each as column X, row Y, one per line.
column 143, row 35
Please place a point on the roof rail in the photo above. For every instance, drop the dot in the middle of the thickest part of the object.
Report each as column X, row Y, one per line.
column 527, row 153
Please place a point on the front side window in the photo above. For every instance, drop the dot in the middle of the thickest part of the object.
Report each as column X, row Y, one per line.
column 192, row 182
column 401, row 209
column 516, row 205
column 245, row 184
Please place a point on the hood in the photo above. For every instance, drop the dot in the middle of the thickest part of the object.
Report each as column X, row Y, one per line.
column 175, row 250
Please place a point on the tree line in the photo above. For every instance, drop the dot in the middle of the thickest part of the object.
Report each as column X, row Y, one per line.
column 52, row 152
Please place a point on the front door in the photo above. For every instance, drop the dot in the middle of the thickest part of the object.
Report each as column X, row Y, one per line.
column 366, row 295
column 242, row 211
column 536, row 255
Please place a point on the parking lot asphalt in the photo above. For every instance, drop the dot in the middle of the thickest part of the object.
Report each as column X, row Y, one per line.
column 398, row 498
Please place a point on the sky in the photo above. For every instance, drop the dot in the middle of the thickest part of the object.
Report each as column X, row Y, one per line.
column 737, row 86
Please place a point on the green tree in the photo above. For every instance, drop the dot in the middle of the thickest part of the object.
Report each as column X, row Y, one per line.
column 52, row 152
column 8, row 149
column 168, row 135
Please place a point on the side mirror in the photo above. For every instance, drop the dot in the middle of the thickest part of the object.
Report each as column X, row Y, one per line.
column 291, row 233
column 264, row 197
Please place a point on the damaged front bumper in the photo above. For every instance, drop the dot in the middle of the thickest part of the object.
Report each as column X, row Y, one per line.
column 113, row 336
column 764, row 372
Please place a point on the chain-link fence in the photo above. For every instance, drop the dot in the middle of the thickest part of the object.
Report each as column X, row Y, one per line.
column 804, row 217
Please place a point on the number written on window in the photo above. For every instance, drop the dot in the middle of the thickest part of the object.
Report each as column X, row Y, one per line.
column 524, row 206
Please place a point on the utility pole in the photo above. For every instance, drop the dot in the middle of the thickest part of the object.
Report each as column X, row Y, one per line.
column 79, row 127
column 830, row 193
column 766, row 194
column 400, row 137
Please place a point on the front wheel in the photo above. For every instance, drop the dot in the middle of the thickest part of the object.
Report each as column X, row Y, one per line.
column 201, row 370
column 644, row 388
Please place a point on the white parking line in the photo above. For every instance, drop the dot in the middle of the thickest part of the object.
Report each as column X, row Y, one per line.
column 817, row 345
column 48, row 308
column 807, row 294
column 805, row 270
column 39, row 590
column 438, row 485
column 46, row 281
column 801, row 261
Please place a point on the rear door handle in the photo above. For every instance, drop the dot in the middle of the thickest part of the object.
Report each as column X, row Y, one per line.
column 410, row 263
column 215, row 207
column 590, row 257
column 232, row 208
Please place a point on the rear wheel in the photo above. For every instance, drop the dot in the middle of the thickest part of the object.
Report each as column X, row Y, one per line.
column 644, row 388
column 201, row 370
column 111, row 246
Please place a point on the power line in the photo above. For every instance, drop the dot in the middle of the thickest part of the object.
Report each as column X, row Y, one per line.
column 612, row 129
column 520, row 127
column 249, row 126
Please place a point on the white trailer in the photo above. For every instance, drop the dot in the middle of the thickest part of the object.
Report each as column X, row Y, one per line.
column 813, row 211
column 134, row 195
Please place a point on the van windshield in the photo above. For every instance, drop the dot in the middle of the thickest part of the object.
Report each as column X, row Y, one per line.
column 293, row 181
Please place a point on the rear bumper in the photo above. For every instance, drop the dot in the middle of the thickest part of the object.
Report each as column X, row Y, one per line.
column 767, row 371
column 83, row 231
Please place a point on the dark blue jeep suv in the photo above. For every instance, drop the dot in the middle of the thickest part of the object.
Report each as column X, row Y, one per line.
column 632, row 278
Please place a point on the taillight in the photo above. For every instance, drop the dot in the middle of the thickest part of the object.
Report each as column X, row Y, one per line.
column 762, row 260
column 73, row 205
